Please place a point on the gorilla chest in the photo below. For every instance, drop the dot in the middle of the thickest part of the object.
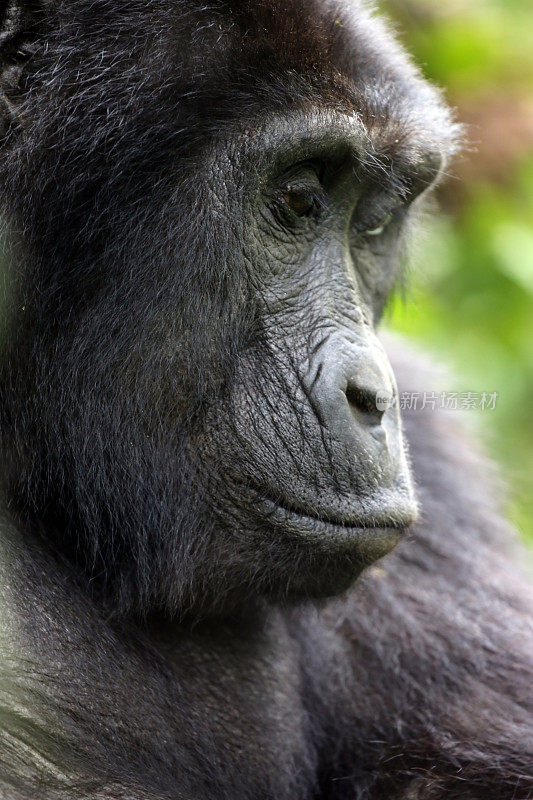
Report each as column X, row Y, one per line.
column 237, row 717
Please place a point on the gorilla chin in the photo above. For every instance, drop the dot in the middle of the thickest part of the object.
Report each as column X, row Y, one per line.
column 329, row 570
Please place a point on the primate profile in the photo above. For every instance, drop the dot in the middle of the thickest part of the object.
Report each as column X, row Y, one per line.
column 227, row 572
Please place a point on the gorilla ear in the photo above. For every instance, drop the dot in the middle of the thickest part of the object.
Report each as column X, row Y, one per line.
column 20, row 25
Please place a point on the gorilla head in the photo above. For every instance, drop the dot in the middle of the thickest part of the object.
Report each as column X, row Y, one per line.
column 205, row 211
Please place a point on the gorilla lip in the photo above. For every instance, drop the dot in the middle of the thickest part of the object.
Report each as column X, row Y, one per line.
column 292, row 513
column 369, row 540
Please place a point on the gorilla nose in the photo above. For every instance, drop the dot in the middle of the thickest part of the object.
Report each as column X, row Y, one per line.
column 353, row 388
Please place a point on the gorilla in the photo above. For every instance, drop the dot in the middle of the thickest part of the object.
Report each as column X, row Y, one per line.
column 205, row 207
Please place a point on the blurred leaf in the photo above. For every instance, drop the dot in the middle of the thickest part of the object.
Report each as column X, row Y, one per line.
column 513, row 245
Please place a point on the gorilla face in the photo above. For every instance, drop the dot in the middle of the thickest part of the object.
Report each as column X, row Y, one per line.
column 192, row 384
column 311, row 458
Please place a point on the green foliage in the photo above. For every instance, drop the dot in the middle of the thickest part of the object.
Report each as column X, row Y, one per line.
column 477, row 44
column 470, row 296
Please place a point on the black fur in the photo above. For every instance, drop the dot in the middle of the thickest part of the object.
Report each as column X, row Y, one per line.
column 157, row 636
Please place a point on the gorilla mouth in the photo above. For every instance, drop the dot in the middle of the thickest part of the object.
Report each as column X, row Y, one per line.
column 338, row 522
column 280, row 509
column 364, row 538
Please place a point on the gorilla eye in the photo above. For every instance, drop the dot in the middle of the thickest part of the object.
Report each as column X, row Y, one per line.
column 300, row 202
column 379, row 229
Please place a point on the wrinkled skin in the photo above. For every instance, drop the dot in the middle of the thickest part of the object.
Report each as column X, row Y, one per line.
column 205, row 214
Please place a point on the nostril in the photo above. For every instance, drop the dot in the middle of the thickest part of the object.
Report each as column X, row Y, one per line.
column 361, row 399
column 364, row 401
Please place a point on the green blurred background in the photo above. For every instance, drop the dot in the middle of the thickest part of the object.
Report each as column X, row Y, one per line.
column 470, row 292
